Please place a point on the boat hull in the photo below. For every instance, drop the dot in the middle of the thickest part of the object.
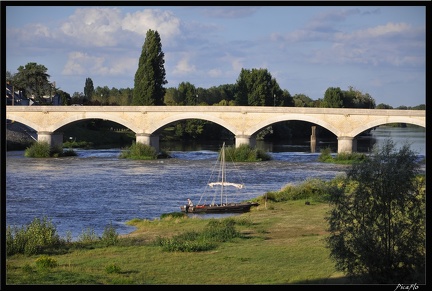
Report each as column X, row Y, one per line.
column 224, row 208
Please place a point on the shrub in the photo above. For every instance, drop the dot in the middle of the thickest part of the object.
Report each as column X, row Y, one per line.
column 42, row 149
column 245, row 153
column 88, row 236
column 31, row 239
column 139, row 151
column 38, row 150
column 112, row 268
column 340, row 158
column 45, row 262
column 110, row 236
column 325, row 155
column 312, row 189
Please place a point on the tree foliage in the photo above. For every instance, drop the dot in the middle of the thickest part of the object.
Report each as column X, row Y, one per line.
column 257, row 87
column 33, row 80
column 187, row 94
column 88, row 88
column 377, row 223
column 333, row 98
column 150, row 76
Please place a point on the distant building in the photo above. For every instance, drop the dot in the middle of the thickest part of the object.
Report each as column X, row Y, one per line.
column 15, row 98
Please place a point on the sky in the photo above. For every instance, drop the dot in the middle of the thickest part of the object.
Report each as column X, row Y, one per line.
column 378, row 50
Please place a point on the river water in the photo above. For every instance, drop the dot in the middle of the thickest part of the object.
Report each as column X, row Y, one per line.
column 96, row 188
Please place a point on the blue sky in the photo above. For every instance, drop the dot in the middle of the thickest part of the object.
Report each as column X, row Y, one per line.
column 379, row 50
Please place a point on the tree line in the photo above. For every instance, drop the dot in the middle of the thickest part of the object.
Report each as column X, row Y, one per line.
column 253, row 87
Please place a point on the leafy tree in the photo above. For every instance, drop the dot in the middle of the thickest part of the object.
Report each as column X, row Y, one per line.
column 419, row 107
column 125, row 97
column 150, row 75
column 88, row 89
column 377, row 223
column 9, row 77
column 32, row 79
column 256, row 87
column 383, row 106
column 64, row 97
column 172, row 97
column 283, row 100
column 301, row 100
column 355, row 99
column 333, row 98
column 187, row 94
column 102, row 94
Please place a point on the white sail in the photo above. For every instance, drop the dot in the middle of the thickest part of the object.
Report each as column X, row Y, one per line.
column 239, row 186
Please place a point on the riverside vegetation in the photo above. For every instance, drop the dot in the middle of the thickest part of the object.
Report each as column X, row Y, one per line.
column 272, row 244
column 282, row 241
column 285, row 240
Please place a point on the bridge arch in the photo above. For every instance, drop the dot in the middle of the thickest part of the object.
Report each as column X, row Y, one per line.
column 297, row 117
column 383, row 121
column 93, row 115
column 24, row 121
column 191, row 115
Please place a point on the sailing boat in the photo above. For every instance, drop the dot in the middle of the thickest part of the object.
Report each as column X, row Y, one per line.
column 222, row 183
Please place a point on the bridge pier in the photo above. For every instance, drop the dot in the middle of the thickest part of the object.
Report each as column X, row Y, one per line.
column 148, row 139
column 245, row 139
column 54, row 139
column 347, row 144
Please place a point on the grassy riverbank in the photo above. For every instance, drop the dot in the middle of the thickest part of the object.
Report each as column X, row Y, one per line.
column 283, row 243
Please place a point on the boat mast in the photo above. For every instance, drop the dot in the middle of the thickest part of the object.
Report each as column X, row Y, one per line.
column 223, row 170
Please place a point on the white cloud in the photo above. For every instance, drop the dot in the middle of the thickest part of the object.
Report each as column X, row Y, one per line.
column 215, row 73
column 93, row 26
column 388, row 30
column 183, row 66
column 83, row 63
column 166, row 24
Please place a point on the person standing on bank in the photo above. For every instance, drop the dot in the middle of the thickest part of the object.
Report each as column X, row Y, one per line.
column 189, row 204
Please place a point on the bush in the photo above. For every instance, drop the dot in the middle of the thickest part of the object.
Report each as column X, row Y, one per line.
column 112, row 268
column 42, row 149
column 139, row 151
column 110, row 236
column 45, row 262
column 340, row 158
column 88, row 236
column 325, row 155
column 32, row 239
column 380, row 209
column 245, row 153
column 311, row 189
column 38, row 150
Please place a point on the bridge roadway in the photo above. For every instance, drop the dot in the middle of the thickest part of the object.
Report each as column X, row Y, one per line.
column 243, row 121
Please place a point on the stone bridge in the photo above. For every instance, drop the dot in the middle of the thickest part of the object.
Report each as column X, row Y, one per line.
column 243, row 121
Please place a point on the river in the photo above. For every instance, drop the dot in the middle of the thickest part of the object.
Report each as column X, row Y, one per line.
column 96, row 188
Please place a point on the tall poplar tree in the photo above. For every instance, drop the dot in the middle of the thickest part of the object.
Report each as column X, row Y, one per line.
column 88, row 88
column 150, row 75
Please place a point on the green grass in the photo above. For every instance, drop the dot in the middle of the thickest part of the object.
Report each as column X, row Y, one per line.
column 280, row 243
